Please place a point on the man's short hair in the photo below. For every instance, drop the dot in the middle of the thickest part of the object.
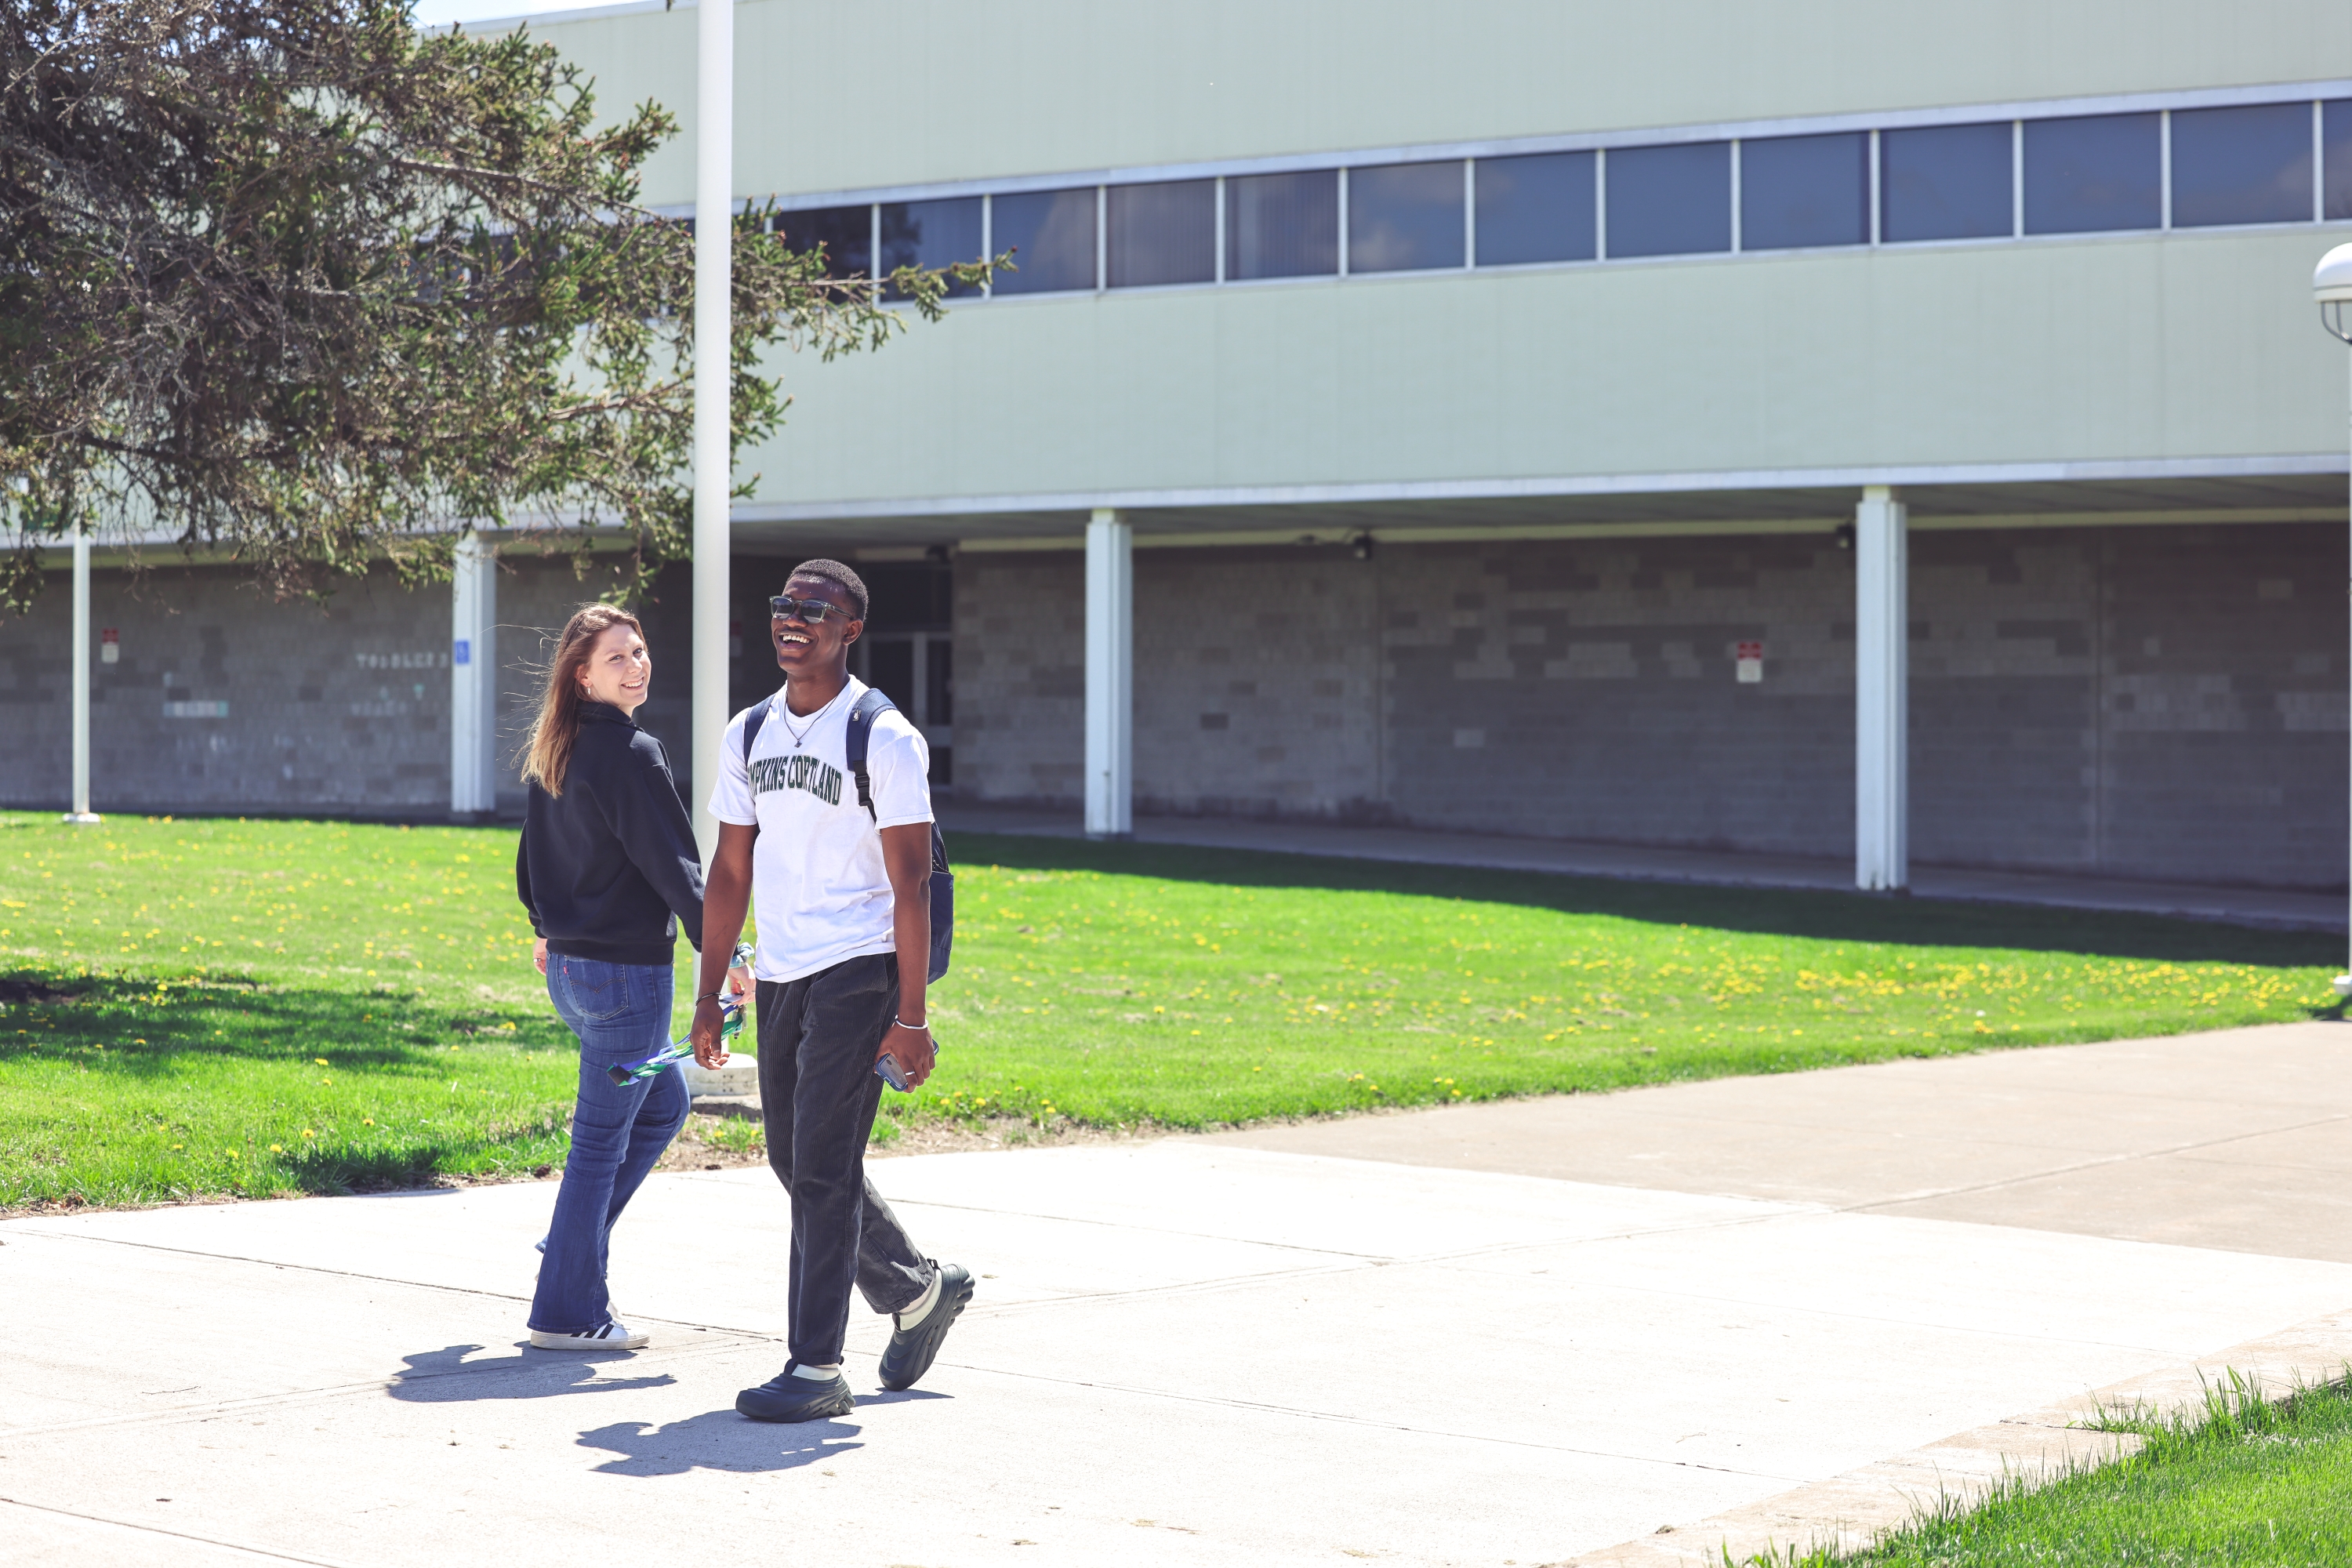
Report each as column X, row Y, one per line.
column 835, row 572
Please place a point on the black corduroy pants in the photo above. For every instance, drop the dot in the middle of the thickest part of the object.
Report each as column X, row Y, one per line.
column 818, row 1095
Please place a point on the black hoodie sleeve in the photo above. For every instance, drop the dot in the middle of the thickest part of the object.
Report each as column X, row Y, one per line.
column 644, row 813
column 522, row 882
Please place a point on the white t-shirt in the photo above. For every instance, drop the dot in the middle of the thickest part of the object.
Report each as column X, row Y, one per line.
column 818, row 885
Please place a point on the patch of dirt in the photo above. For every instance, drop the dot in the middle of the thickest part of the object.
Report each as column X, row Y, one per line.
column 1008, row 1132
column 712, row 1138
column 692, row 1152
column 34, row 991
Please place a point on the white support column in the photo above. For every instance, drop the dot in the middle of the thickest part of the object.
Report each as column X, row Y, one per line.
column 1110, row 676
column 474, row 679
column 1882, row 709
column 81, row 812
column 714, row 229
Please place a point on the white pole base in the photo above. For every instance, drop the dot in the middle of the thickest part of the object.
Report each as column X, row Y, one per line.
column 82, row 818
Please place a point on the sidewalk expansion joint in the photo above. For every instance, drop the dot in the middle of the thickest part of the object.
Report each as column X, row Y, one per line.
column 1297, row 1413
column 174, row 1534
column 652, row 1359
column 2090, row 1164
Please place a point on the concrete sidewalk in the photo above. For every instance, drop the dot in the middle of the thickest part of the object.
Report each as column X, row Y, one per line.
column 1309, row 1344
column 2272, row 909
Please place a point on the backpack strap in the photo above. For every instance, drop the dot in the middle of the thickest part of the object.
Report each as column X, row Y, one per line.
column 869, row 707
column 754, row 717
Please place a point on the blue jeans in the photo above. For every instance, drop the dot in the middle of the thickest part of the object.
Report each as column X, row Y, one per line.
column 621, row 1012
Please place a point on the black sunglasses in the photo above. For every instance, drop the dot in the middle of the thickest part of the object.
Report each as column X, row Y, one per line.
column 812, row 611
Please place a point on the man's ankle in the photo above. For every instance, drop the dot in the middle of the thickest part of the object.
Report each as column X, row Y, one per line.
column 916, row 1310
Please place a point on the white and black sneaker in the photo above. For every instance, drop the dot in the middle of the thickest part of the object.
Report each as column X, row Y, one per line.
column 611, row 1335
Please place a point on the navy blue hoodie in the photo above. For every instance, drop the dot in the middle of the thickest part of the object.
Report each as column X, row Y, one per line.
column 603, row 866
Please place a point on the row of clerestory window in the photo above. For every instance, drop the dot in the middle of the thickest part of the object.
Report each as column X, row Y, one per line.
column 2147, row 170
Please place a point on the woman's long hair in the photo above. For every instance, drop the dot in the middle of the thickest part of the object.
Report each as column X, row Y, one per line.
column 548, row 756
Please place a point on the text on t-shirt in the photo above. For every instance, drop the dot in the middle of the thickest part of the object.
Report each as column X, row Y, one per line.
column 799, row 770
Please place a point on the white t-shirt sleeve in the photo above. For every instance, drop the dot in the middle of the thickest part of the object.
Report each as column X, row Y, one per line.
column 731, row 799
column 899, row 763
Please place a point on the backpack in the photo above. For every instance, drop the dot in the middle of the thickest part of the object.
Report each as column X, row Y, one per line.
column 870, row 707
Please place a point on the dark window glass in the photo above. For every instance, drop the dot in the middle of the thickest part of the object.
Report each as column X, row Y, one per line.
column 1670, row 200
column 1052, row 237
column 2336, row 159
column 1282, row 226
column 931, row 234
column 1536, row 208
column 1164, row 232
column 847, row 235
column 2251, row 165
column 1804, row 190
column 938, row 691
column 1404, row 218
column 1945, row 182
column 2099, row 172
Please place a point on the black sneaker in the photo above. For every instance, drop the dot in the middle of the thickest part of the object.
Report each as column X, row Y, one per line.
column 912, row 1351
column 789, row 1397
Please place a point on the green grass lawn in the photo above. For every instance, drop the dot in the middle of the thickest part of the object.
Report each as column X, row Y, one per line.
column 2244, row 1483
column 226, row 1007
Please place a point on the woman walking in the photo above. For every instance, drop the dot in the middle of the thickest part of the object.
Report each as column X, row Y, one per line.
column 609, row 871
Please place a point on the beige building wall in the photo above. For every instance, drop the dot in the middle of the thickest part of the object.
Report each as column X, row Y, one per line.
column 2193, row 347
column 832, row 98
column 2136, row 349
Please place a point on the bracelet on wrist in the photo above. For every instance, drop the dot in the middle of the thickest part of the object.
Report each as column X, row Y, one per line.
column 901, row 1024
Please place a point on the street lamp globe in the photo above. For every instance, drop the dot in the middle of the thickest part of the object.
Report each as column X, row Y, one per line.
column 2331, row 285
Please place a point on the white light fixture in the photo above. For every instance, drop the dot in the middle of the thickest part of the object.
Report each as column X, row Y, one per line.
column 2331, row 285
column 2331, row 288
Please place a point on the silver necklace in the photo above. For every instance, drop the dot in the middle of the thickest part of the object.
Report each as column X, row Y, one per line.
column 800, row 736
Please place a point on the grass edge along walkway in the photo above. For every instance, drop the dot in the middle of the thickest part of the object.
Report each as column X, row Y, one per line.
column 2237, row 1478
column 278, row 1007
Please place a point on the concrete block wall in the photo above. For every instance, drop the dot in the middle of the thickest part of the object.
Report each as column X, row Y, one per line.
column 1585, row 690
column 1021, row 677
column 2154, row 701
column 1256, row 689
column 342, row 708
column 2157, row 701
column 2150, row 702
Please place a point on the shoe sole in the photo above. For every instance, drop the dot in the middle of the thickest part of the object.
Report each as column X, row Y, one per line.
column 571, row 1343
column 937, row 1333
column 841, row 1404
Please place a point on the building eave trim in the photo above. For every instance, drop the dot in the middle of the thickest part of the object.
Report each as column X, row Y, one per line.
column 1080, row 502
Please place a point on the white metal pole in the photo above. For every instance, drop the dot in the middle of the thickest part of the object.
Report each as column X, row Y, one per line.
column 80, row 812
column 714, row 210
column 1882, row 617
column 474, row 679
column 1110, row 676
column 2331, row 290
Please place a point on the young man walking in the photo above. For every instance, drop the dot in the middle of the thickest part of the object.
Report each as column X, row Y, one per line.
column 845, row 943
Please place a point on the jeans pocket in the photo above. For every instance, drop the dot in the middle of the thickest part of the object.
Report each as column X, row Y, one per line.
column 597, row 991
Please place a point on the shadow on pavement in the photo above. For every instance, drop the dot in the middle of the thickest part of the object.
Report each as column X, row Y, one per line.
column 723, row 1440
column 446, row 1376
column 716, row 1440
